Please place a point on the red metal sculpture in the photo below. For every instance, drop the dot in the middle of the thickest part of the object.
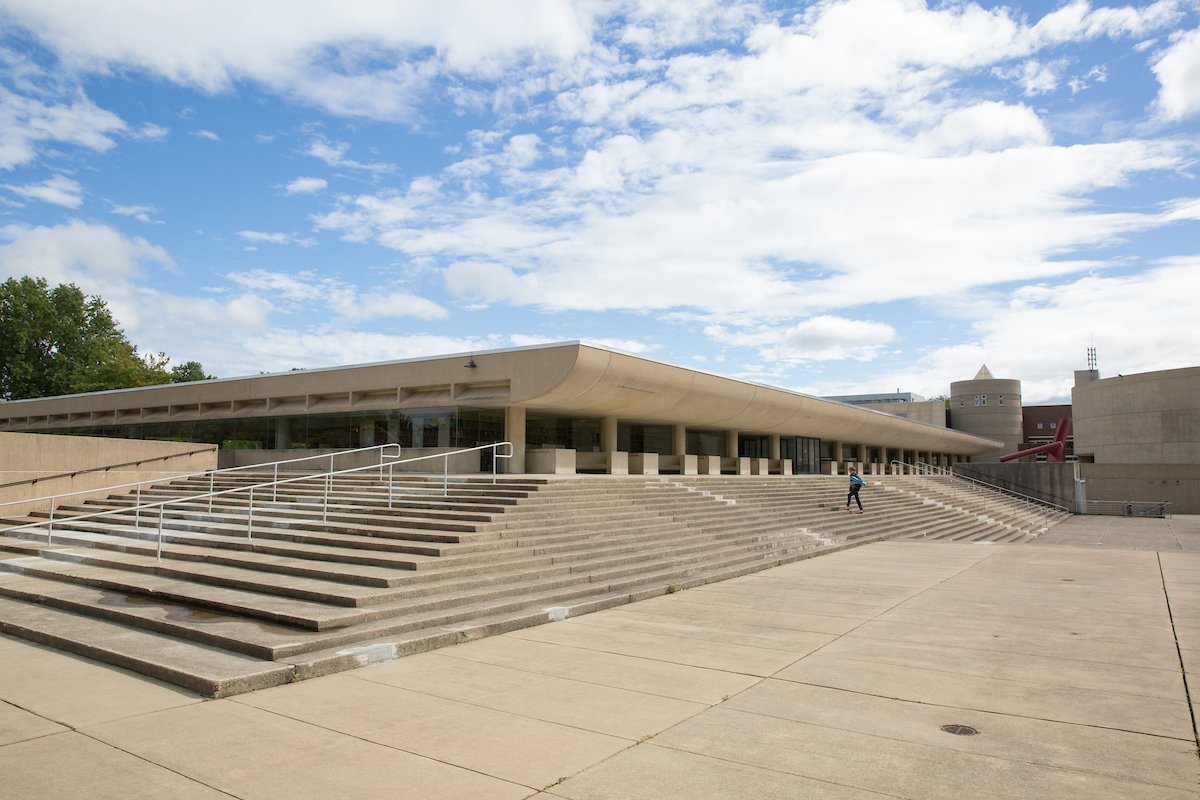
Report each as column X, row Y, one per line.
column 1054, row 451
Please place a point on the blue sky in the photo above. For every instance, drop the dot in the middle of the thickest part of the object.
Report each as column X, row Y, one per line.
column 838, row 197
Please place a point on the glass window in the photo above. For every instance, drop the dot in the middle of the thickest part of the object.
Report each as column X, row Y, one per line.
column 1039, row 426
column 1052, row 425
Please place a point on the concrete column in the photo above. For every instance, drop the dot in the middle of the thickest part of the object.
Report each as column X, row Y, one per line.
column 608, row 434
column 678, row 440
column 731, row 444
column 514, row 431
column 773, row 444
column 835, row 452
column 861, row 453
column 283, row 434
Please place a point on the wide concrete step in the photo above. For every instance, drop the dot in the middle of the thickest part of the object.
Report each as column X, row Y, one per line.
column 210, row 671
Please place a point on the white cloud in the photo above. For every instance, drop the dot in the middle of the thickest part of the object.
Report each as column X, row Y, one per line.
column 97, row 258
column 1039, row 334
column 376, row 304
column 820, row 338
column 1178, row 71
column 324, row 53
column 300, row 287
column 333, row 154
column 150, row 132
column 306, row 185
column 277, row 238
column 203, row 134
column 258, row 236
column 59, row 190
column 279, row 349
column 141, row 213
column 25, row 122
column 307, row 288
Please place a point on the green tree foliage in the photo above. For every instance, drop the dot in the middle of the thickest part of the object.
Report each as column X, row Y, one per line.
column 190, row 371
column 59, row 341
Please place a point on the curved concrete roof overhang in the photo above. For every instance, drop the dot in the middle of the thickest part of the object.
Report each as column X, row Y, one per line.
column 608, row 383
column 566, row 378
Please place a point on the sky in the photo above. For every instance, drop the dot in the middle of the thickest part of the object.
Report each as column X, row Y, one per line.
column 839, row 197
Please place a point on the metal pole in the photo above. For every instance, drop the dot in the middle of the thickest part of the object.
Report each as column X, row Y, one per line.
column 325, row 512
column 275, row 485
column 161, row 508
column 50, row 529
column 495, row 455
column 137, row 508
column 391, row 473
column 446, row 475
column 250, row 516
column 212, row 482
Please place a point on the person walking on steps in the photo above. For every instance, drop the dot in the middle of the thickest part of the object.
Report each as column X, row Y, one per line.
column 856, row 483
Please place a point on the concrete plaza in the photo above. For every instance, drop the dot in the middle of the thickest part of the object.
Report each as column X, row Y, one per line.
column 831, row 677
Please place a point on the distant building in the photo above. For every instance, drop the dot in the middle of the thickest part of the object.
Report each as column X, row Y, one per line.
column 1040, row 425
column 988, row 406
column 905, row 405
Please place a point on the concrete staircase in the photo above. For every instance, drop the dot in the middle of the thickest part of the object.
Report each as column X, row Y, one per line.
column 1007, row 519
column 299, row 590
column 818, row 502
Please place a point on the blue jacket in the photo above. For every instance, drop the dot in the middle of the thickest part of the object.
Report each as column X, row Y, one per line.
column 855, row 480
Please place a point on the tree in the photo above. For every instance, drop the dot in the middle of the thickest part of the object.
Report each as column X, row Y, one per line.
column 59, row 341
column 189, row 371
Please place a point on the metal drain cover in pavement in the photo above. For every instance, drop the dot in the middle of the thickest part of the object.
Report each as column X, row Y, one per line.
column 960, row 730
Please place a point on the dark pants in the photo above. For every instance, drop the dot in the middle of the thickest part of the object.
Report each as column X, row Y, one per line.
column 854, row 494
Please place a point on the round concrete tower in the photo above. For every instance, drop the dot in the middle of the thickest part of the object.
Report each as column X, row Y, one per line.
column 990, row 407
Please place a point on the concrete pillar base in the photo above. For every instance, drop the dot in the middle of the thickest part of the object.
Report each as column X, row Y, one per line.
column 643, row 463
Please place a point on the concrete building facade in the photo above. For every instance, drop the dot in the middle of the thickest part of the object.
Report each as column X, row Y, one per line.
column 570, row 406
column 989, row 407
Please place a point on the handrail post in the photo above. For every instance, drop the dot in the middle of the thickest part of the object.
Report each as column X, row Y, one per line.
column 495, row 451
column 275, row 485
column 212, row 484
column 446, row 475
column 325, row 512
column 161, row 509
column 250, row 516
column 50, row 527
column 137, row 508
column 391, row 475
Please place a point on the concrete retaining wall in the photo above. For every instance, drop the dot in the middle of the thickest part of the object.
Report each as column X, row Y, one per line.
column 1054, row 483
column 1178, row 484
column 65, row 464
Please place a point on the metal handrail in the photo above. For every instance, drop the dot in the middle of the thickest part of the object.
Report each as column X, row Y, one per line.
column 105, row 468
column 274, row 484
column 211, row 473
column 929, row 470
column 1131, row 508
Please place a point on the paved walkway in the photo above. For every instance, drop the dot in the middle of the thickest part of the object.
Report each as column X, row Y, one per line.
column 828, row 678
column 1180, row 532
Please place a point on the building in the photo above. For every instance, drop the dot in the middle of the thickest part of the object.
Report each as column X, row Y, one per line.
column 905, row 405
column 988, row 406
column 1039, row 426
column 569, row 406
